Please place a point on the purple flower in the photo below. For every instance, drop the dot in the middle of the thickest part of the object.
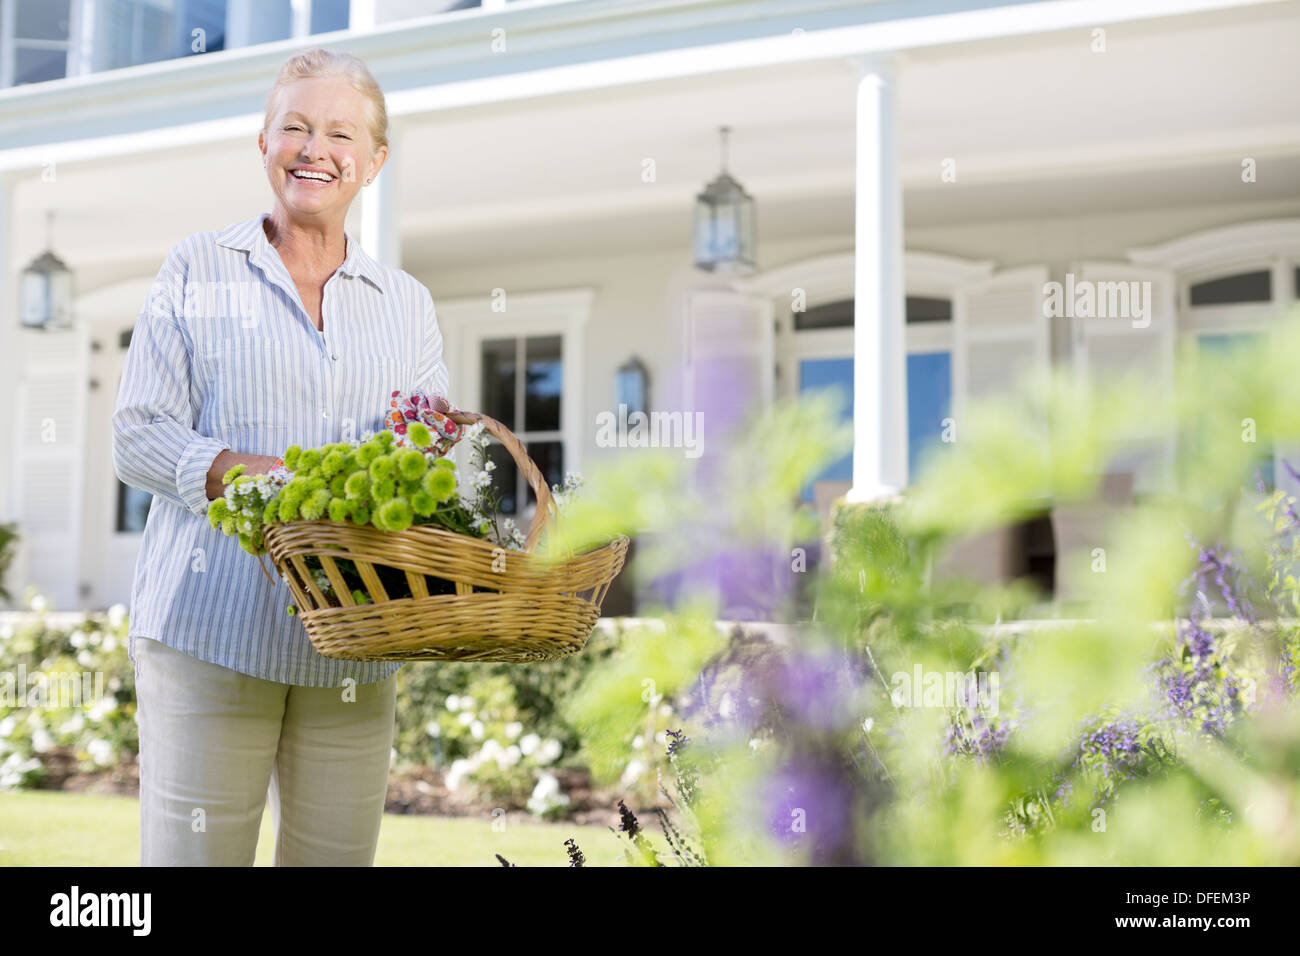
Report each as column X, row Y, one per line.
column 809, row 803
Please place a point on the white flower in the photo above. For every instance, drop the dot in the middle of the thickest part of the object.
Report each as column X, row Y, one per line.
column 546, row 795
column 103, row 707
column 476, row 730
column 466, row 718
column 666, row 710
column 7, row 725
column 868, row 724
column 41, row 740
column 6, row 632
column 550, row 751
column 511, row 756
column 433, row 729
column 467, row 703
column 514, row 729
column 634, row 770
column 101, row 751
column 453, row 703
column 458, row 769
column 85, row 658
column 110, row 642
column 491, row 750
column 77, row 638
column 528, row 744
column 74, row 725
column 39, row 603
column 489, row 465
column 638, row 742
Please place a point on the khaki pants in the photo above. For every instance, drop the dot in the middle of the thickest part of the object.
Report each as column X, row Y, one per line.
column 216, row 744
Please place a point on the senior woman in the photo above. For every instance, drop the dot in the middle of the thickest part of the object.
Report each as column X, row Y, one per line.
column 274, row 331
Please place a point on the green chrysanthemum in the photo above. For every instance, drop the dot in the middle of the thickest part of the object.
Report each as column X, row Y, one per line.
column 232, row 473
column 339, row 509
column 360, row 512
column 411, row 464
column 291, row 457
column 440, row 483
column 309, row 460
column 316, row 504
column 423, row 503
column 228, row 527
column 288, row 507
column 445, row 463
column 381, row 467
column 396, row 514
column 315, row 483
column 271, row 512
column 357, row 485
column 385, row 438
column 331, row 463
column 368, row 452
column 218, row 511
column 419, row 433
column 383, row 490
column 361, row 597
column 339, row 486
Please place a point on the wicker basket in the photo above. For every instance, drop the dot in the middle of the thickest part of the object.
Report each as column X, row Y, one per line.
column 507, row 605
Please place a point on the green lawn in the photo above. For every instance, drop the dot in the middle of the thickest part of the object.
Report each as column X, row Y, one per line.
column 43, row 828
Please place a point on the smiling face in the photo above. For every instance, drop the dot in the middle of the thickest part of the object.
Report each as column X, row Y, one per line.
column 317, row 148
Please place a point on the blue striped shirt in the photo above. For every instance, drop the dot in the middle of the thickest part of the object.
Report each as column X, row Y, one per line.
column 225, row 356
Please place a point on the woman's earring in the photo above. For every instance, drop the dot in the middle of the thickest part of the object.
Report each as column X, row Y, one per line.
column 367, row 182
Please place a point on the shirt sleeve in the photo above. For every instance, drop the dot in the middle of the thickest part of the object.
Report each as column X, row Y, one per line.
column 432, row 377
column 155, row 446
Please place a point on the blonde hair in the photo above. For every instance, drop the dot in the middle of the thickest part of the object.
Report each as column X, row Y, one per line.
column 318, row 63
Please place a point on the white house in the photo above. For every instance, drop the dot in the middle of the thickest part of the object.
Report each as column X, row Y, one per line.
column 921, row 173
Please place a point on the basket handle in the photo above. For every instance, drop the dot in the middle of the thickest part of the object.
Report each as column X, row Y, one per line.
column 546, row 511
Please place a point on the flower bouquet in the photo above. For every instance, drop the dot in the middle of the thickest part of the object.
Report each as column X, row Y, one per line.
column 388, row 561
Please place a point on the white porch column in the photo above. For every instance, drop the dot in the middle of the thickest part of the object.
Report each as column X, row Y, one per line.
column 879, row 348
column 381, row 234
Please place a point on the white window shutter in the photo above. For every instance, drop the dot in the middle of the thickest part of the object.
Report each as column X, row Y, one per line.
column 999, row 336
column 1107, row 347
column 728, row 352
column 48, row 464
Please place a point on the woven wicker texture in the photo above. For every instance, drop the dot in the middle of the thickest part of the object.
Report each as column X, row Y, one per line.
column 506, row 605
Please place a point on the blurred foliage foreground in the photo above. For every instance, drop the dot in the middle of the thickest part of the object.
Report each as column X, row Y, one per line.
column 915, row 720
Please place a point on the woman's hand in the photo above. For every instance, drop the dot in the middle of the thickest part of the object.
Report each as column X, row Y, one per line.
column 227, row 459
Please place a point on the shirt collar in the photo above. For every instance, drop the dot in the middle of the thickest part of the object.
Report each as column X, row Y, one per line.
column 250, row 237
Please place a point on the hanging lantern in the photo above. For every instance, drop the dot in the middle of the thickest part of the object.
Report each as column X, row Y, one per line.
column 725, row 237
column 47, row 290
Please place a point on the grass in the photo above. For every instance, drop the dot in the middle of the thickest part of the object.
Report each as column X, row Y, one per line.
column 44, row 828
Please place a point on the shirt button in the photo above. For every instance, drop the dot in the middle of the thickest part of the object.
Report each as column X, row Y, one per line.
column 335, row 357
column 324, row 414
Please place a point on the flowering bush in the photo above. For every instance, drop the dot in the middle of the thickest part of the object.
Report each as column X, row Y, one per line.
column 65, row 693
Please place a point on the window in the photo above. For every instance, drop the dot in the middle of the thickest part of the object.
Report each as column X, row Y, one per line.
column 329, row 15
column 1229, row 290
column 132, row 503
column 839, row 315
column 929, row 382
column 1265, row 465
column 530, row 405
column 132, row 509
column 37, row 49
